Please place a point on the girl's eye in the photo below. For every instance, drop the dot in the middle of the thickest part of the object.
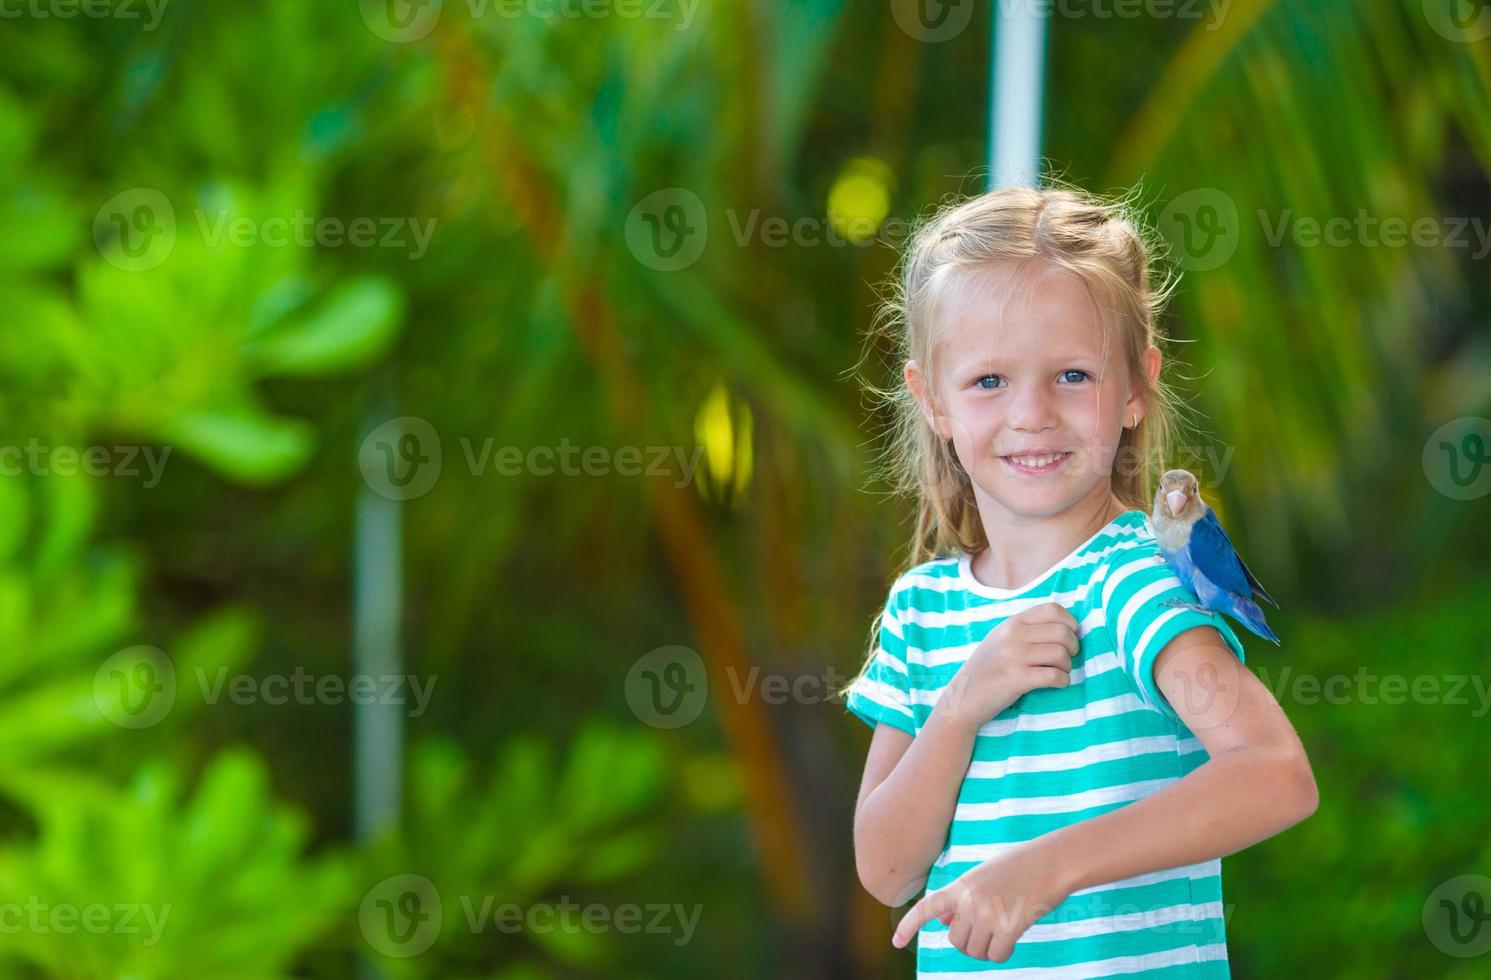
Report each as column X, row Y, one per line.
column 1080, row 375
column 999, row 382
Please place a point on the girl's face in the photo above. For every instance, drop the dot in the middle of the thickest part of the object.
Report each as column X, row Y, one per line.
column 1024, row 389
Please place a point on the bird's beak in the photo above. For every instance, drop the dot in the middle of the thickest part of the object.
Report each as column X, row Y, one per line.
column 1177, row 499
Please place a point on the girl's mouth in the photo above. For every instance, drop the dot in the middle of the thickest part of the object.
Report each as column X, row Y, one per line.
column 1036, row 464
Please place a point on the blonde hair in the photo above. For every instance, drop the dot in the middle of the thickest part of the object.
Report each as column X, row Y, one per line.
column 1101, row 240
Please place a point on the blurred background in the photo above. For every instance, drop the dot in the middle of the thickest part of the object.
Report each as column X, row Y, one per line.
column 440, row 502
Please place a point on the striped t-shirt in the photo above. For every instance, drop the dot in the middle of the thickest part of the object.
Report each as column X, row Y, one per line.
column 1057, row 756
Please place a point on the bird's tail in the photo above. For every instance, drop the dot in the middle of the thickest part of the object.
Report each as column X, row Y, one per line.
column 1248, row 613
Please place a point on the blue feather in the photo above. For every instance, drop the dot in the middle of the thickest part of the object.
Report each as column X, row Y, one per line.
column 1211, row 568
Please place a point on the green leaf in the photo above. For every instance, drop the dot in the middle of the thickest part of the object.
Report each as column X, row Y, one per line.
column 354, row 326
column 251, row 448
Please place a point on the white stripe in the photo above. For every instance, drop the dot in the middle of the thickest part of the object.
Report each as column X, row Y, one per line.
column 1118, row 573
column 1052, row 720
column 936, row 619
column 1098, row 925
column 1126, row 748
column 883, row 695
column 959, row 652
column 885, row 658
column 1063, row 803
column 1096, row 667
column 972, row 854
column 1092, row 968
column 1135, row 605
column 1154, row 628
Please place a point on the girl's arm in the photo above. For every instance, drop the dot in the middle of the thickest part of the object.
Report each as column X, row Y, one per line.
column 1256, row 783
column 907, row 797
column 910, row 788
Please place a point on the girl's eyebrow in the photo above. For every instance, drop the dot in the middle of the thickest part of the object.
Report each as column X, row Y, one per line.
column 1053, row 360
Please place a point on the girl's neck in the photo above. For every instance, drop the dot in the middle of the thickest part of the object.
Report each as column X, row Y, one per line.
column 1022, row 549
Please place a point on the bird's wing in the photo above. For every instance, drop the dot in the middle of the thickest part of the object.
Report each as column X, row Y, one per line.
column 1215, row 557
column 1258, row 588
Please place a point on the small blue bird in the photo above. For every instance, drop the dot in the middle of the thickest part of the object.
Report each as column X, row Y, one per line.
column 1202, row 555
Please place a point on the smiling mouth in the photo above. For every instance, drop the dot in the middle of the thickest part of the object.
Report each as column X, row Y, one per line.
column 1037, row 464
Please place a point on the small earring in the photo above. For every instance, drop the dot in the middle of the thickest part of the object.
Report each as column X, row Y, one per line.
column 1135, row 423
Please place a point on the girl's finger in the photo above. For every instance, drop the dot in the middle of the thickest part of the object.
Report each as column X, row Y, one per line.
column 932, row 906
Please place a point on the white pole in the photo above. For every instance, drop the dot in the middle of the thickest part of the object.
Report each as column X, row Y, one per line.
column 1017, row 88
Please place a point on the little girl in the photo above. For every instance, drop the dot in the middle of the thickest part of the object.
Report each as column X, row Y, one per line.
column 1064, row 745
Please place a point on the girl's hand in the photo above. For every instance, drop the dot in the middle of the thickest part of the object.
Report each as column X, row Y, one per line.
column 1030, row 650
column 989, row 908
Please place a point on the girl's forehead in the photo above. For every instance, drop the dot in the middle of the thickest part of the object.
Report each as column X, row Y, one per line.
column 1047, row 314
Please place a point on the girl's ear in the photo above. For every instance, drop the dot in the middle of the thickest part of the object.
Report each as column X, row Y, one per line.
column 917, row 383
column 1135, row 408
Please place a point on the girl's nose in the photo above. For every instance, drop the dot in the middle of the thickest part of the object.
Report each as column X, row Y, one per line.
column 1032, row 409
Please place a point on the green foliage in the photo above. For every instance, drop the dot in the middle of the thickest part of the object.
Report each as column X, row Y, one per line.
column 519, row 830
column 1399, row 775
column 145, row 883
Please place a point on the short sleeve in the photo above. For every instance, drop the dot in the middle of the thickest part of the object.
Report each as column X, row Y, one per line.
column 882, row 692
column 1138, row 605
